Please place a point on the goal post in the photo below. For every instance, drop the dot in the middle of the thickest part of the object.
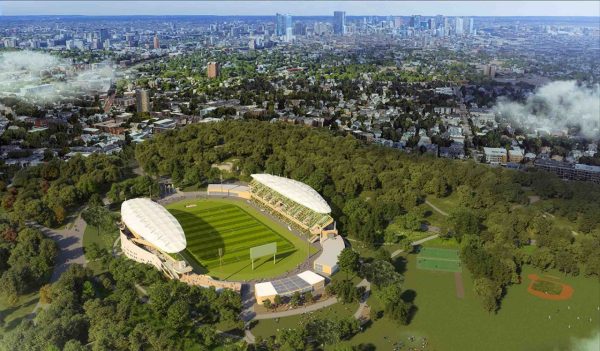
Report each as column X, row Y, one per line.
column 262, row 251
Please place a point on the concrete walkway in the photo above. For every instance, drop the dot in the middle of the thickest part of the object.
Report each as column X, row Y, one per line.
column 363, row 300
column 415, row 243
column 296, row 311
column 445, row 214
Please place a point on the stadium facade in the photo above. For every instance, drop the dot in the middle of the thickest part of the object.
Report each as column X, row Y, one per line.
column 151, row 235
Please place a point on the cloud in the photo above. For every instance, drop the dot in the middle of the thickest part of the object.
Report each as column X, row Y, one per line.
column 42, row 77
column 586, row 344
column 556, row 106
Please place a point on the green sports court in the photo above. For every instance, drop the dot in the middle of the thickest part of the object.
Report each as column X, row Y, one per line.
column 438, row 259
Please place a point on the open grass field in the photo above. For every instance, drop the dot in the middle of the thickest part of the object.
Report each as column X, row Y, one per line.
column 12, row 315
column 234, row 227
column 267, row 327
column 450, row 323
column 439, row 259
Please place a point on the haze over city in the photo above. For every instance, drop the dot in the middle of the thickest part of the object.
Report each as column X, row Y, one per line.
column 302, row 8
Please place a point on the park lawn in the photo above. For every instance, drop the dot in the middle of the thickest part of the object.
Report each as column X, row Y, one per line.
column 267, row 327
column 450, row 243
column 522, row 323
column 433, row 217
column 105, row 240
column 12, row 315
column 235, row 227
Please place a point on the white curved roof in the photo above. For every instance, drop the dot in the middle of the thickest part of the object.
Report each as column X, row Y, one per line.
column 153, row 223
column 295, row 191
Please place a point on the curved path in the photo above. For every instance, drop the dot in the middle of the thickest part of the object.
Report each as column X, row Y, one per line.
column 296, row 311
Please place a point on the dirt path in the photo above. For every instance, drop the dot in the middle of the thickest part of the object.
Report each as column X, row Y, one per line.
column 414, row 243
column 460, row 288
column 445, row 214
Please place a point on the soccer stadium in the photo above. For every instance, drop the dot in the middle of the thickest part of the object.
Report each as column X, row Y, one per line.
column 237, row 232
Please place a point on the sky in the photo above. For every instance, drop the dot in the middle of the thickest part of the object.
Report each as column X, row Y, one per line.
column 303, row 8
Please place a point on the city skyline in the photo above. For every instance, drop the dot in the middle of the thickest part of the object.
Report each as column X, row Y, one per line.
column 304, row 8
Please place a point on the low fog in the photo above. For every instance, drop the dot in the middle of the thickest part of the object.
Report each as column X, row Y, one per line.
column 557, row 106
column 42, row 77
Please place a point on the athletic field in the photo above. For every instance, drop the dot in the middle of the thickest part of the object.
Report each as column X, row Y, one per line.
column 234, row 227
column 438, row 259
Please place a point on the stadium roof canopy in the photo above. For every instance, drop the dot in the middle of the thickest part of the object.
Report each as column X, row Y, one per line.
column 154, row 224
column 295, row 191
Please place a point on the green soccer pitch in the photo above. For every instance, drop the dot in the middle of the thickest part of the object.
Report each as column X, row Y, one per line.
column 234, row 227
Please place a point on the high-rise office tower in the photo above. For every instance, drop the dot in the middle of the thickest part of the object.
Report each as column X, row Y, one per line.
column 212, row 70
column 446, row 28
column 142, row 100
column 339, row 22
column 458, row 26
column 282, row 23
column 103, row 35
column 432, row 23
column 415, row 21
column 471, row 24
column 156, row 41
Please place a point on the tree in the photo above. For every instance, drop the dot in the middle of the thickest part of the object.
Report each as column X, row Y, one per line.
column 295, row 299
column 349, row 261
column 308, row 297
column 99, row 217
column 291, row 339
column 463, row 222
column 277, row 300
column 45, row 294
column 489, row 292
column 268, row 304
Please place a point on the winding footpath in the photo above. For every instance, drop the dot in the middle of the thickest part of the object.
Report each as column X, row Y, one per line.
column 443, row 213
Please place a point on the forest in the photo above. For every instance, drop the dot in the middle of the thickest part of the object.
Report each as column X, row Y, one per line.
column 369, row 187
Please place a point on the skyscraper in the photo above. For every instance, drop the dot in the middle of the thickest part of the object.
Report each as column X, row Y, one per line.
column 339, row 22
column 282, row 23
column 415, row 21
column 142, row 100
column 458, row 26
column 212, row 70
column 156, row 41
column 471, row 29
column 103, row 35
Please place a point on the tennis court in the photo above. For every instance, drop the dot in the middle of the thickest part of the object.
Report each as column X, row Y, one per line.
column 438, row 259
